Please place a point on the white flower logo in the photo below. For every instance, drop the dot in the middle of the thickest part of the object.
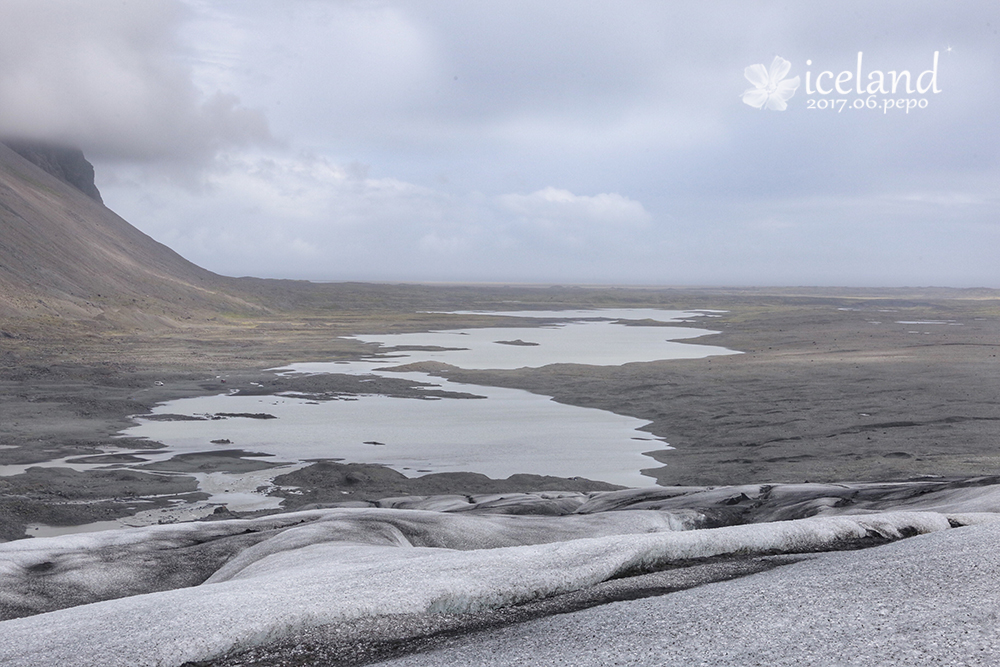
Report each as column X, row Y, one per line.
column 769, row 89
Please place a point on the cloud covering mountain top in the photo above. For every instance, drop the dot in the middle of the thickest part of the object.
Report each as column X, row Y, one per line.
column 293, row 139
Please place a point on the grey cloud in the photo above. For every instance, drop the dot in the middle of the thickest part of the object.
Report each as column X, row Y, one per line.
column 108, row 77
column 453, row 106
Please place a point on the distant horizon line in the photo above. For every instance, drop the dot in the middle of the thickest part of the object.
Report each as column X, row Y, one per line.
column 638, row 286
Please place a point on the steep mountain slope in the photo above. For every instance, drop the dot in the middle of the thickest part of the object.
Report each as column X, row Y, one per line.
column 64, row 255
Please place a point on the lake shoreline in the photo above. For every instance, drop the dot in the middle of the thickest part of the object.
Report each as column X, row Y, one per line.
column 820, row 393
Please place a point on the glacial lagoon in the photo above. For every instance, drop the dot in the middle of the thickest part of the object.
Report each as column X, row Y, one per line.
column 499, row 432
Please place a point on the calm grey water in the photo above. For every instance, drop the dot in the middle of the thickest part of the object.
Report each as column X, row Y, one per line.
column 507, row 431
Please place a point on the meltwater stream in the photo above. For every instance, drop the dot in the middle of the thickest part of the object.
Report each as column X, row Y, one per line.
column 500, row 433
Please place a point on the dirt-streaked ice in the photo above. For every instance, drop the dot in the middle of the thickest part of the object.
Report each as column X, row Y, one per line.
column 348, row 564
column 930, row 600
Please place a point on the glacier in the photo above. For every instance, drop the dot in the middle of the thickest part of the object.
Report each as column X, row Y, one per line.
column 166, row 595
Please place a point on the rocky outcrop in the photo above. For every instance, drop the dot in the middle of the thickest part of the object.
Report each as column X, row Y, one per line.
column 65, row 163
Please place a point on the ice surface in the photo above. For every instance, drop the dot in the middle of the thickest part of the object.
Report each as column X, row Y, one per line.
column 930, row 600
column 328, row 565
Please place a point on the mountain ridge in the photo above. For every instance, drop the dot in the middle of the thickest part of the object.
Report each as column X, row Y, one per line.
column 66, row 256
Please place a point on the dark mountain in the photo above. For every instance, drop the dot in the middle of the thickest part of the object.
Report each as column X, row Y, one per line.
column 64, row 255
column 66, row 164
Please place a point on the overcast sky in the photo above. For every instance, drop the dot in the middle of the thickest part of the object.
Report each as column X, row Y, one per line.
column 544, row 141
